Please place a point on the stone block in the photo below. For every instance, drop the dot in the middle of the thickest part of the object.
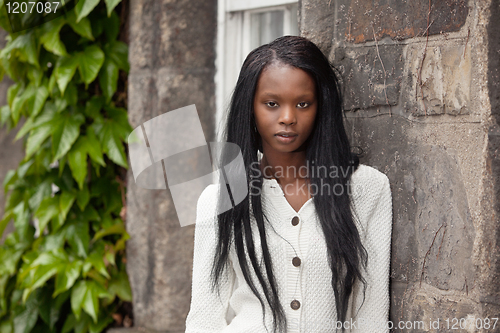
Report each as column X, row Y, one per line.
column 439, row 81
column 371, row 76
column 361, row 21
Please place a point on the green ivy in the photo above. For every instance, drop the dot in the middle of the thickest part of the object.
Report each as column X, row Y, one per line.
column 63, row 267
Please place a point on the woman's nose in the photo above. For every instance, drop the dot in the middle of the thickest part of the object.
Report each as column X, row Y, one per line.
column 287, row 116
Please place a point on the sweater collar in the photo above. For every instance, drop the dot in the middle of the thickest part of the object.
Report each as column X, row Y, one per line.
column 273, row 193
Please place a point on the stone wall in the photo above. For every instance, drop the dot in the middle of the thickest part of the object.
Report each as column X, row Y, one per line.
column 172, row 57
column 421, row 87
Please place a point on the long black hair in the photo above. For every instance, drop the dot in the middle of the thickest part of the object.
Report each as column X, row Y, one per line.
column 328, row 146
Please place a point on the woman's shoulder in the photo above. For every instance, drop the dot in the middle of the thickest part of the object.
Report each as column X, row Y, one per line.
column 206, row 208
column 366, row 174
column 368, row 184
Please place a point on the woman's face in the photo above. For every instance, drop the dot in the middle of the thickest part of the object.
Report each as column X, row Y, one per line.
column 285, row 104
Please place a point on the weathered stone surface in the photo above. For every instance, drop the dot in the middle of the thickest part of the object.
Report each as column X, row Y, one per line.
column 317, row 22
column 434, row 200
column 172, row 50
column 176, row 34
column 441, row 82
column 361, row 21
column 371, row 76
column 438, row 142
column 491, row 271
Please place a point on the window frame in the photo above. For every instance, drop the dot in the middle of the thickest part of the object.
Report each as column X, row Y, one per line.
column 233, row 37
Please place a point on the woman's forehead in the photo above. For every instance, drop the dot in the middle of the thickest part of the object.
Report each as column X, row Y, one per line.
column 284, row 78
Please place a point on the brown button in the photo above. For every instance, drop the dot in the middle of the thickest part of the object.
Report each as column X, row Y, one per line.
column 295, row 220
column 296, row 261
column 295, row 304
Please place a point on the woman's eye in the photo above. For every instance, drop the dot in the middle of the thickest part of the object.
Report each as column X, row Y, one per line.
column 303, row 105
column 272, row 104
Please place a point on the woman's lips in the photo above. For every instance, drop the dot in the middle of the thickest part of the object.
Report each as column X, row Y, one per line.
column 286, row 138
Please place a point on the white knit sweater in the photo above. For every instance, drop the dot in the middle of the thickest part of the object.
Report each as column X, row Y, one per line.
column 236, row 309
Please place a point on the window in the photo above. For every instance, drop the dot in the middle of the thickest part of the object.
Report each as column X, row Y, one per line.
column 242, row 26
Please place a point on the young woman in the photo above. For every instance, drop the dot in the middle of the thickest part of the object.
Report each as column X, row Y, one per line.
column 308, row 250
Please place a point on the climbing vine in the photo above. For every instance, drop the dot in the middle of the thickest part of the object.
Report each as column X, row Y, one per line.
column 62, row 269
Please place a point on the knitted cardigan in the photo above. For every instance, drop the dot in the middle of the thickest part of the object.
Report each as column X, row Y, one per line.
column 304, row 284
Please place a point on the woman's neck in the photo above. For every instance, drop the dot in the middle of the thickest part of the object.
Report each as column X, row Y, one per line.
column 284, row 167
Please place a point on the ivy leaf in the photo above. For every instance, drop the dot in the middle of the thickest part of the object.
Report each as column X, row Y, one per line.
column 77, row 296
column 83, row 197
column 26, row 320
column 91, row 302
column 51, row 40
column 71, row 94
column 9, row 179
column 10, row 259
column 4, row 114
column 49, row 309
column 85, row 295
column 66, row 200
column 5, row 220
column 114, row 229
column 110, row 5
column 69, row 324
column 96, row 259
column 21, row 217
column 19, row 101
column 26, row 45
column 42, row 191
column 90, row 214
column 117, row 51
column 35, row 75
column 90, row 61
column 28, row 126
column 120, row 117
column 66, row 278
column 12, row 93
column 49, row 207
column 42, row 126
column 52, row 82
column 84, row 7
column 93, row 108
column 65, row 133
column 49, row 258
column 41, row 95
column 108, row 78
column 45, row 266
column 65, row 70
column 77, row 158
column 37, row 137
column 100, row 325
column 112, row 24
column 78, row 237
column 41, row 276
column 23, row 168
column 120, row 286
column 94, row 147
column 111, row 140
column 83, row 27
